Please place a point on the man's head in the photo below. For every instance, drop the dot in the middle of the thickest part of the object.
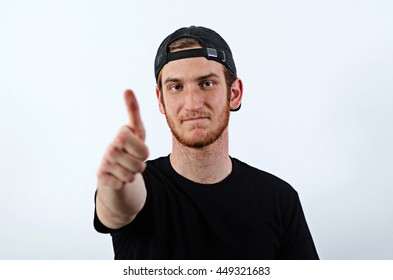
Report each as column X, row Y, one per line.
column 197, row 85
column 195, row 41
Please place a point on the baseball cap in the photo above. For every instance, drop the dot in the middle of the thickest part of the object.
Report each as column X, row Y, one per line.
column 213, row 45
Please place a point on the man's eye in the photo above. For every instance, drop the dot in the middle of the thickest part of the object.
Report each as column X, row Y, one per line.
column 207, row 84
column 175, row 87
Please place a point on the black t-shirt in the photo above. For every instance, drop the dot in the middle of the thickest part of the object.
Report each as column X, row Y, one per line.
column 251, row 214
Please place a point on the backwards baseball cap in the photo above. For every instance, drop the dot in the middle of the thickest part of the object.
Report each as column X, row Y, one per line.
column 213, row 45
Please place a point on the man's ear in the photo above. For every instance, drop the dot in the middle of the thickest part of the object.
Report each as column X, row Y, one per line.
column 236, row 94
column 159, row 99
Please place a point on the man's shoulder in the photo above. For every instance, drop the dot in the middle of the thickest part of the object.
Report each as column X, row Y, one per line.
column 157, row 160
column 158, row 163
column 261, row 177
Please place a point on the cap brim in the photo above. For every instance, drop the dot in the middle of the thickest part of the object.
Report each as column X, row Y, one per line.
column 237, row 109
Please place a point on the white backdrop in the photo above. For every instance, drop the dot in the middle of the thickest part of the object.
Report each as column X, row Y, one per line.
column 318, row 79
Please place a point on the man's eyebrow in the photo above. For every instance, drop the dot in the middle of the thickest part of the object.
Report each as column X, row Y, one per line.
column 208, row 76
column 200, row 78
column 171, row 80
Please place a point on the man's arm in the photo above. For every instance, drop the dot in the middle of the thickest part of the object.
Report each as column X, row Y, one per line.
column 121, row 191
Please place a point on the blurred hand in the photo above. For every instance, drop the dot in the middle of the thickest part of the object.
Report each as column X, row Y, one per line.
column 126, row 155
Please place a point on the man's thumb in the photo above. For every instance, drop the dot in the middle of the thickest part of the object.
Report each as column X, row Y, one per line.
column 135, row 120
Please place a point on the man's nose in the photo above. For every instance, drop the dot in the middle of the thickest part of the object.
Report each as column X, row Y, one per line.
column 194, row 99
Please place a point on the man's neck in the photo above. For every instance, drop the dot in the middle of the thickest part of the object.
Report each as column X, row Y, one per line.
column 207, row 165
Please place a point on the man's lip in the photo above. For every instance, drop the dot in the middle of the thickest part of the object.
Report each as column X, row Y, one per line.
column 195, row 119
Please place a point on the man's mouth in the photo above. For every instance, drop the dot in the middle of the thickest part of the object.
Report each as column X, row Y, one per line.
column 194, row 118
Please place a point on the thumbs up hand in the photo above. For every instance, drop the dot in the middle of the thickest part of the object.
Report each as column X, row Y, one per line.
column 126, row 155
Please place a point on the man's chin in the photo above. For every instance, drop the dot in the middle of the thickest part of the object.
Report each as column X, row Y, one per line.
column 197, row 143
column 195, row 140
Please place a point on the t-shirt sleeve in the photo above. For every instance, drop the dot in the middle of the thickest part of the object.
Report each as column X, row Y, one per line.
column 297, row 240
column 98, row 225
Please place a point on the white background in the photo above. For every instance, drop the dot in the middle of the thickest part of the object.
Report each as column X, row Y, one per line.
column 316, row 112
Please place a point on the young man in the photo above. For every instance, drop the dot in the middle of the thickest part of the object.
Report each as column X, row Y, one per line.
column 198, row 202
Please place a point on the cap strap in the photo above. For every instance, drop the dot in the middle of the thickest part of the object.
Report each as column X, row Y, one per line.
column 209, row 53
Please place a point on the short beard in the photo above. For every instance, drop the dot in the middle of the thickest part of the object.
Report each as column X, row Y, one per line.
column 210, row 138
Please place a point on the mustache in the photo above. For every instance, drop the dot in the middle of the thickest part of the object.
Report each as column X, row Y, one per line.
column 193, row 115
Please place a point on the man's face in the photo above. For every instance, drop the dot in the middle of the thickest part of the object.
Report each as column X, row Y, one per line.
column 194, row 99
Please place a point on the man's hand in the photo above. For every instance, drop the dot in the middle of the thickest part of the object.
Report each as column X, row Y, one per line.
column 126, row 155
column 121, row 191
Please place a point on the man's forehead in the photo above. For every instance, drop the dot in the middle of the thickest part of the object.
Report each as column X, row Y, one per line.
column 192, row 68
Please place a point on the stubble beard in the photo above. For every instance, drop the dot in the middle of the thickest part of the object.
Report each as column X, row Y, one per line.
column 209, row 138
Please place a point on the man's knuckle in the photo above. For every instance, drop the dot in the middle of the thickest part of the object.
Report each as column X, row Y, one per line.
column 113, row 152
column 120, row 140
column 100, row 173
